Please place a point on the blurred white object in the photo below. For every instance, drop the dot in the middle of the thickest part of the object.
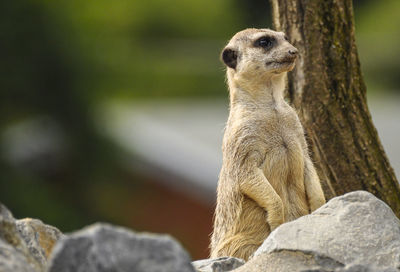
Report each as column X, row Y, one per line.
column 385, row 113
column 180, row 137
column 183, row 138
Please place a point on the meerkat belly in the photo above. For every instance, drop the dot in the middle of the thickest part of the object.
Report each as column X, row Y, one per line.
column 284, row 169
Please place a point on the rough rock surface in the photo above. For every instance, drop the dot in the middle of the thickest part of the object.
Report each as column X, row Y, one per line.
column 40, row 238
column 297, row 261
column 105, row 248
column 14, row 253
column 356, row 228
column 289, row 261
column 363, row 268
column 221, row 264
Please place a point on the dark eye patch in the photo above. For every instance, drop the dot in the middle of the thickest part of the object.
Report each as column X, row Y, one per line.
column 265, row 42
column 286, row 38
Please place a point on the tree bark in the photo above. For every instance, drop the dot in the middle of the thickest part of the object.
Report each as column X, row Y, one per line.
column 329, row 93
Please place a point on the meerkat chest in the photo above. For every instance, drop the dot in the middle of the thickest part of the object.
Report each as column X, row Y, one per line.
column 281, row 126
column 283, row 146
column 272, row 133
column 281, row 138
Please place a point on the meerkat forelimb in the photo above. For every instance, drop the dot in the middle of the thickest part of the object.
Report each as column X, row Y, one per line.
column 267, row 177
column 256, row 186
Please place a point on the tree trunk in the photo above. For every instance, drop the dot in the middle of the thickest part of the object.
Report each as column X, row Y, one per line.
column 329, row 93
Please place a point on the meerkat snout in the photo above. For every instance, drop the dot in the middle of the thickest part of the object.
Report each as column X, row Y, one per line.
column 290, row 57
column 293, row 51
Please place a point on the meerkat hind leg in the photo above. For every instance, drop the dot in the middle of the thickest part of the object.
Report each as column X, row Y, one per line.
column 313, row 187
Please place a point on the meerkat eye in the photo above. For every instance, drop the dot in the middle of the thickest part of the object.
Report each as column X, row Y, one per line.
column 286, row 38
column 265, row 42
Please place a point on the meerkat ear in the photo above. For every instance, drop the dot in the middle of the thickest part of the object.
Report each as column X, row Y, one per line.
column 229, row 57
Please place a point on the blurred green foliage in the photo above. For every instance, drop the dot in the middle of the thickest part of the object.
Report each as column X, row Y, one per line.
column 136, row 48
column 378, row 39
column 60, row 59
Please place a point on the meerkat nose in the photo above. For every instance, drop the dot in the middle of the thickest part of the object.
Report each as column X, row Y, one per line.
column 293, row 51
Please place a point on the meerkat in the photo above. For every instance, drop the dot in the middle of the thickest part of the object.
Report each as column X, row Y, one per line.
column 267, row 176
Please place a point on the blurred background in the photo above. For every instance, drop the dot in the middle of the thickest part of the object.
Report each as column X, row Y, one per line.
column 114, row 110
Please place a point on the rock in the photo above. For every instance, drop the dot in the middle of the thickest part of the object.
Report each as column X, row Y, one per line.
column 106, row 248
column 356, row 228
column 363, row 268
column 14, row 253
column 40, row 238
column 353, row 268
column 289, row 261
column 221, row 264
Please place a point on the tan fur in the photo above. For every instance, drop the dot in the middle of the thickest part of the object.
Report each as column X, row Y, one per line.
column 267, row 177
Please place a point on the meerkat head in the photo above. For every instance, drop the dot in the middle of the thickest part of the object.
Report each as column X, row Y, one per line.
column 258, row 53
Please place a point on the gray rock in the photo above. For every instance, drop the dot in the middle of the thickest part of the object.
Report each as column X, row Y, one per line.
column 14, row 253
column 289, row 261
column 40, row 238
column 104, row 248
column 356, row 228
column 364, row 268
column 221, row 264
column 353, row 268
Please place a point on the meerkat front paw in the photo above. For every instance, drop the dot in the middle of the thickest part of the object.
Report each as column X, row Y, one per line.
column 276, row 223
column 276, row 216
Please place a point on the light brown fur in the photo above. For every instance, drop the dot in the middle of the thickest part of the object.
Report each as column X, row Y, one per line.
column 267, row 177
